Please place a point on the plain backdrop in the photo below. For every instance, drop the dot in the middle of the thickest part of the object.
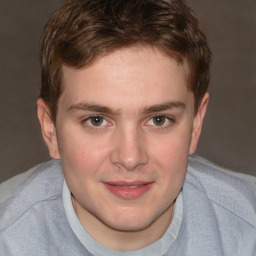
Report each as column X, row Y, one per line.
column 229, row 134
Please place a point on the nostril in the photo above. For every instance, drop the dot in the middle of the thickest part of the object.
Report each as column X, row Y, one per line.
column 129, row 159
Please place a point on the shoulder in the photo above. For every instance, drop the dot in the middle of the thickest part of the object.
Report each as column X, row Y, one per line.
column 8, row 187
column 41, row 183
column 233, row 193
column 198, row 161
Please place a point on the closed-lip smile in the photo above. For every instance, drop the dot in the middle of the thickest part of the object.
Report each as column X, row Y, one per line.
column 128, row 190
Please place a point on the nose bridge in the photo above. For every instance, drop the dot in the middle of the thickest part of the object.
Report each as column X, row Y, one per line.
column 130, row 150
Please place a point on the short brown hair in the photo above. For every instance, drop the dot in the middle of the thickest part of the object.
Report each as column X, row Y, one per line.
column 83, row 30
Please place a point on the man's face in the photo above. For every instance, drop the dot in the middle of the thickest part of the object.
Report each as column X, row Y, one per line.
column 125, row 126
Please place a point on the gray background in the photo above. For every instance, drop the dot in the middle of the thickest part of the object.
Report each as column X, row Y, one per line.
column 229, row 136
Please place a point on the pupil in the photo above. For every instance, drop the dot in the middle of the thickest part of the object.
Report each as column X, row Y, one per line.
column 97, row 120
column 159, row 120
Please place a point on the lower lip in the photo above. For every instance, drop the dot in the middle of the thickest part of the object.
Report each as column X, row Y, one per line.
column 126, row 192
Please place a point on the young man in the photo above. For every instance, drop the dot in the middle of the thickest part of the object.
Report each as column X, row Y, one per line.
column 123, row 98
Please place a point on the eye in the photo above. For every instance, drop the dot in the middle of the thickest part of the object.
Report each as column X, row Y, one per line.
column 160, row 121
column 95, row 121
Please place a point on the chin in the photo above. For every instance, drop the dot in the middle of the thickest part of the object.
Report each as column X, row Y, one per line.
column 129, row 227
column 130, row 221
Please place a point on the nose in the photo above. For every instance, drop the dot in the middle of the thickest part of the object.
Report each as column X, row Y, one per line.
column 130, row 150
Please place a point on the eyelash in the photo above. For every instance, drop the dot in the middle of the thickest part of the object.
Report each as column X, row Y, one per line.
column 89, row 119
column 167, row 122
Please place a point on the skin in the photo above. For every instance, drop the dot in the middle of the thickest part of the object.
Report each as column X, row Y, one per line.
column 128, row 118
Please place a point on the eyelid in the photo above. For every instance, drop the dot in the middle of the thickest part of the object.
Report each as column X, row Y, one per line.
column 89, row 117
column 168, row 118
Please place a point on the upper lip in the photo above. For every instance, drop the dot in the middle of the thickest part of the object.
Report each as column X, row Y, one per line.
column 128, row 183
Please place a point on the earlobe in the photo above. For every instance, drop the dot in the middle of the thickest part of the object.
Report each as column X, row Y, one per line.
column 198, row 123
column 48, row 128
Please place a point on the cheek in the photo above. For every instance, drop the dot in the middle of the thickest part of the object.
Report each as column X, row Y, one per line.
column 80, row 164
column 81, row 154
column 171, row 154
column 173, row 149
column 173, row 162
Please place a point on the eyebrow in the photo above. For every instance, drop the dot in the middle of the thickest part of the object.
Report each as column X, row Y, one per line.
column 92, row 108
column 164, row 106
column 107, row 110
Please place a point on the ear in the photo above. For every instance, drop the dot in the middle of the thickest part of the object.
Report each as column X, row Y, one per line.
column 198, row 122
column 48, row 128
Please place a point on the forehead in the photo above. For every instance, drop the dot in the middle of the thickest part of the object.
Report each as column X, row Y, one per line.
column 128, row 76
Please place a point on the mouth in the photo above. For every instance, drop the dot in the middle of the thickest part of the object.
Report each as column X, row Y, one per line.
column 128, row 190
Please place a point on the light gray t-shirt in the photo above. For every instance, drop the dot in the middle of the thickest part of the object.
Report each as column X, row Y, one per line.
column 215, row 214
